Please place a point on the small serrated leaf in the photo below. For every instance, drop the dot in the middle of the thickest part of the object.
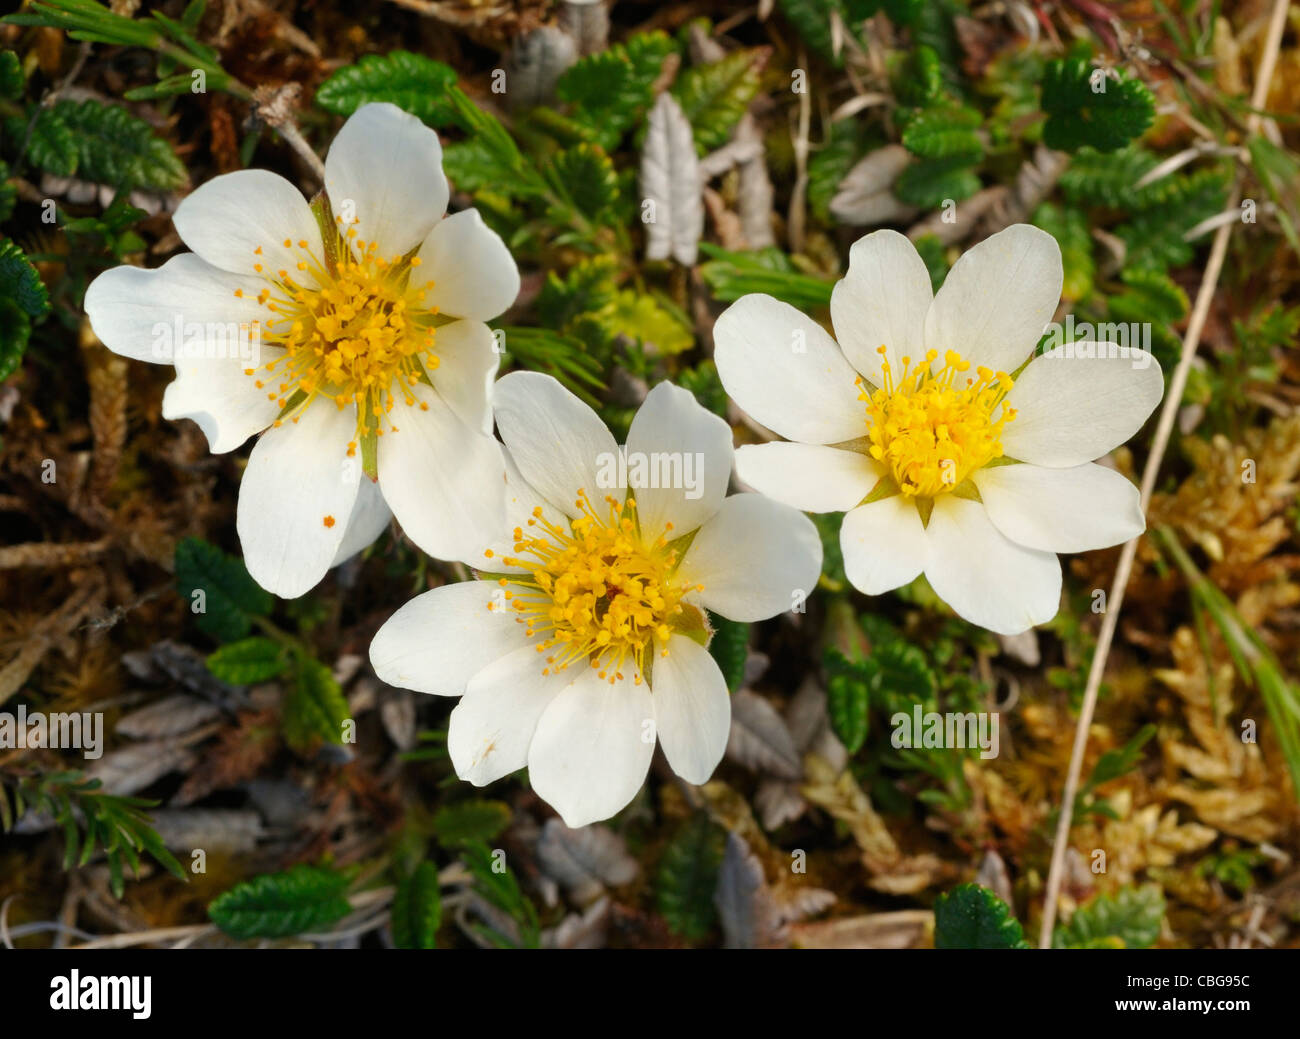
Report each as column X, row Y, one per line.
column 688, row 876
column 1128, row 919
column 730, row 648
column 277, row 905
column 250, row 660
column 715, row 96
column 477, row 820
column 1084, row 106
column 230, row 597
column 972, row 917
column 413, row 83
column 314, row 706
column 417, row 909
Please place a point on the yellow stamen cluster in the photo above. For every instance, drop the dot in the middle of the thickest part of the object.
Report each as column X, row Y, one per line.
column 595, row 592
column 934, row 428
column 354, row 328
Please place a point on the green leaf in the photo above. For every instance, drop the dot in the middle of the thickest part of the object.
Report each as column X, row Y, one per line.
column 413, row 83
column 230, row 597
column 116, row 148
column 477, row 820
column 1128, row 919
column 277, row 905
column 1110, row 179
column 612, row 90
column 20, row 282
column 729, row 648
column 1150, row 296
column 15, row 329
column 945, row 133
column 8, row 194
column 586, row 174
column 588, row 287
column 314, row 707
column 715, row 96
column 930, row 183
column 972, row 917
column 1120, row 761
column 1084, row 106
column 918, row 79
column 848, row 700
column 417, row 909
column 812, row 20
column 250, row 660
column 688, row 876
column 51, row 146
column 1070, row 229
column 648, row 320
column 12, row 81
column 731, row 275
column 1154, row 236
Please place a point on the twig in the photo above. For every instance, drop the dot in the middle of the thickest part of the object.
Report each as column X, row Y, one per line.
column 1164, row 430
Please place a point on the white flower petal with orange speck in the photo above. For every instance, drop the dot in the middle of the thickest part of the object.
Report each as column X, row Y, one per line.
column 295, row 499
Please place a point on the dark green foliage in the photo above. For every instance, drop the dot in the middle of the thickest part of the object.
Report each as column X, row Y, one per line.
column 118, row 827
column 230, row 599
column 714, row 97
column 417, row 908
column 102, row 143
column 411, row 82
column 611, row 91
column 1084, row 106
column 972, row 917
column 931, row 183
column 731, row 275
column 945, row 133
column 729, row 647
column 12, row 80
column 586, row 175
column 277, row 905
column 468, row 821
column 494, row 881
column 314, row 707
column 688, row 876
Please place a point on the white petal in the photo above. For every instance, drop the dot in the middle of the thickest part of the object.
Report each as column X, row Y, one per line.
column 135, row 311
column 231, row 216
column 295, row 499
column 1061, row 510
column 444, row 481
column 559, row 444
column 592, row 748
column 882, row 301
column 467, row 364
column 442, row 638
column 986, row 578
column 883, row 544
column 785, row 370
column 756, row 558
column 808, row 476
column 678, row 444
column 521, row 501
column 388, row 165
column 692, row 709
column 1072, row 409
column 473, row 274
column 370, row 515
column 998, row 298
column 492, row 727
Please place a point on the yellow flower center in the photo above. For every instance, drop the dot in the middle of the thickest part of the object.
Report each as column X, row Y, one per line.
column 934, row 428
column 354, row 328
column 595, row 591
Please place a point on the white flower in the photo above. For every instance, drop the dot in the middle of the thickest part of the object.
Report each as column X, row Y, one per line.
column 586, row 640
column 361, row 350
column 910, row 423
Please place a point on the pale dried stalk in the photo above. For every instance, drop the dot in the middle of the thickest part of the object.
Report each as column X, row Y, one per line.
column 1164, row 429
